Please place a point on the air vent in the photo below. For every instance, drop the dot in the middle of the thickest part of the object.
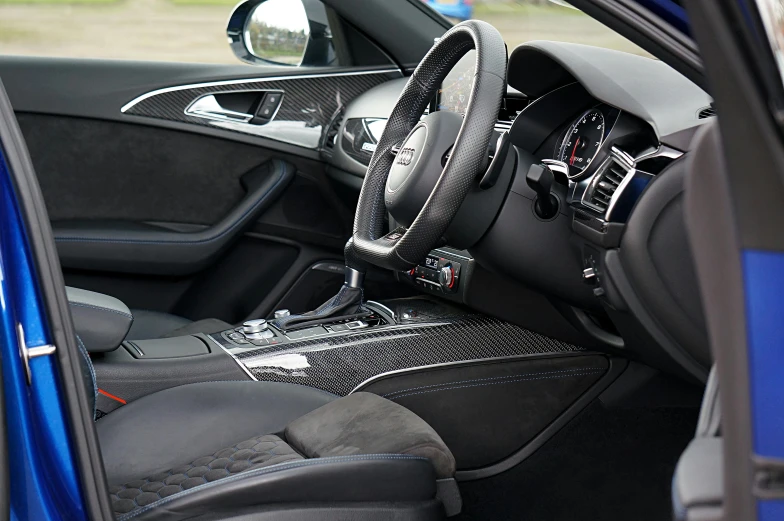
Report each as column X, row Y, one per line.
column 606, row 186
column 502, row 126
column 707, row 112
column 332, row 134
column 607, row 179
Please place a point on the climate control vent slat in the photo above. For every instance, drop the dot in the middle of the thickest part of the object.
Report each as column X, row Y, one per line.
column 330, row 140
column 607, row 180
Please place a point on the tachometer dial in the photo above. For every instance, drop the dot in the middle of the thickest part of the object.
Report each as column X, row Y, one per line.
column 582, row 140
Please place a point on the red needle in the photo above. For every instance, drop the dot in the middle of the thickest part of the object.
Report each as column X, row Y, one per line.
column 574, row 151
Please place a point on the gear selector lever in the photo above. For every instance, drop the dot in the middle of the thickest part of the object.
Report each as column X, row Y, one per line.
column 347, row 304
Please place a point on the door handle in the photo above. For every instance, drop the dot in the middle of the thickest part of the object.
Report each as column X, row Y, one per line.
column 209, row 107
column 242, row 107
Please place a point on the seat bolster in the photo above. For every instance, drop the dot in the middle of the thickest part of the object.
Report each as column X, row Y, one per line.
column 175, row 426
column 365, row 423
column 370, row 477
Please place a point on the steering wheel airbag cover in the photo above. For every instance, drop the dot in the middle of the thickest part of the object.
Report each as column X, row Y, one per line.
column 468, row 155
column 407, row 159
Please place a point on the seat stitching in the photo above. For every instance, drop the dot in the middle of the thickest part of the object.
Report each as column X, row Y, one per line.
column 487, row 379
column 254, row 382
column 86, row 356
column 494, row 383
column 101, row 308
column 177, row 241
column 269, row 470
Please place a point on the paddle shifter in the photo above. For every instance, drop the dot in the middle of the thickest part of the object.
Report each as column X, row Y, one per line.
column 540, row 178
column 347, row 304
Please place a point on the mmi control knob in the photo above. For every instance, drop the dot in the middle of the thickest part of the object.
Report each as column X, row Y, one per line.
column 254, row 326
column 446, row 277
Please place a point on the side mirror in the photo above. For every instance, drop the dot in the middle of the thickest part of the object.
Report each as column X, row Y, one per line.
column 281, row 32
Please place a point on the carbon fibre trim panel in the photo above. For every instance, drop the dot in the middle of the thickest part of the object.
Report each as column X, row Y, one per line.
column 307, row 105
column 432, row 334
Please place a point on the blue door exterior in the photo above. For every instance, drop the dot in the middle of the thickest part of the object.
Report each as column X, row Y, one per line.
column 44, row 484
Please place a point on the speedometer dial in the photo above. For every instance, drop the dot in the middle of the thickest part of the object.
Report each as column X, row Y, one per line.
column 582, row 140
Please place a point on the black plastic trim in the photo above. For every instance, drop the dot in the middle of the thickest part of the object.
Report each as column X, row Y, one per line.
column 617, row 366
column 618, row 276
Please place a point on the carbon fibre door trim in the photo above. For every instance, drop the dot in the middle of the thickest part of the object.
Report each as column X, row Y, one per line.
column 309, row 102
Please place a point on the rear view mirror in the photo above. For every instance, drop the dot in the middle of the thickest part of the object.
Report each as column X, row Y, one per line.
column 280, row 32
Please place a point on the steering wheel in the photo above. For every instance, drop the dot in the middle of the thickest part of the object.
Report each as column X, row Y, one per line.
column 425, row 182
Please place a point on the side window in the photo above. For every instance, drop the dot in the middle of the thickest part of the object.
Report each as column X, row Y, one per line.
column 520, row 21
column 261, row 32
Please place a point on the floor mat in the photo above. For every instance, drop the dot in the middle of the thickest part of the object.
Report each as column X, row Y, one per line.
column 607, row 464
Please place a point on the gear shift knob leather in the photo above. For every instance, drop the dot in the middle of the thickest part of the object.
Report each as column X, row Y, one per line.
column 355, row 267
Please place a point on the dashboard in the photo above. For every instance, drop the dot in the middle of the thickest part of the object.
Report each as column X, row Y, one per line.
column 614, row 260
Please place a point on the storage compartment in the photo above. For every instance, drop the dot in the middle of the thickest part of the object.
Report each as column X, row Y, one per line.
column 143, row 367
column 176, row 347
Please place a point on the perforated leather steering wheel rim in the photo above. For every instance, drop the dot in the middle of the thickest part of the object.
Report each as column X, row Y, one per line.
column 469, row 154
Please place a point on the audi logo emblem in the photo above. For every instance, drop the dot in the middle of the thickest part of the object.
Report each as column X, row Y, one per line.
column 405, row 156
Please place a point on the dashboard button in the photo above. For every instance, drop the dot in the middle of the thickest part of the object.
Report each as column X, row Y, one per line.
column 446, row 277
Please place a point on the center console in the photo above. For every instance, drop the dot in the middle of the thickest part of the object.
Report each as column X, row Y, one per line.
column 490, row 388
column 261, row 333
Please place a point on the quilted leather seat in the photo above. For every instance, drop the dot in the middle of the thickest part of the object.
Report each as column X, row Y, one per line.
column 219, row 449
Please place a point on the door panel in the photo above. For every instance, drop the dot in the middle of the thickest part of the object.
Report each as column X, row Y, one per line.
column 174, row 212
column 96, row 169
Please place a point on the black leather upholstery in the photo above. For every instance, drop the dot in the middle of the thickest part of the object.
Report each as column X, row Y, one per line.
column 154, row 324
column 383, row 478
column 100, row 321
column 175, row 426
column 348, row 303
column 252, row 454
column 218, row 446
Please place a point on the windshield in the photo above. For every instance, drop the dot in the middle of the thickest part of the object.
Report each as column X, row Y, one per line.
column 521, row 21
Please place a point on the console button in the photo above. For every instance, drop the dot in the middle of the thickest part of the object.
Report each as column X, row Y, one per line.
column 446, row 277
column 356, row 324
column 338, row 328
column 260, row 334
column 238, row 338
column 269, row 106
column 306, row 333
column 282, row 313
column 255, row 326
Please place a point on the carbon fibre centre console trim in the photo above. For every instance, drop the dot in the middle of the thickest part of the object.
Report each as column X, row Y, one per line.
column 424, row 333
